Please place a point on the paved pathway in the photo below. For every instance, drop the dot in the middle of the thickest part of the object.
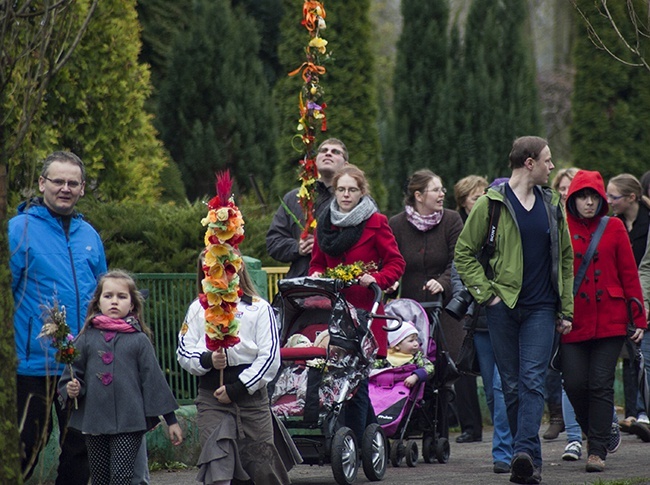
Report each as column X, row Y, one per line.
column 470, row 464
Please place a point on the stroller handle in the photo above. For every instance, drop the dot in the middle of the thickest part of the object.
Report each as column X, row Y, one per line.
column 376, row 298
column 387, row 328
column 435, row 304
column 377, row 294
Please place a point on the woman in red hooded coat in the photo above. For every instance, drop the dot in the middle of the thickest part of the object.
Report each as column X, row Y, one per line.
column 591, row 349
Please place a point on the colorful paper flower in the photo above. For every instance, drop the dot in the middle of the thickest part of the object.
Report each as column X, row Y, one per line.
column 311, row 108
column 319, row 43
column 56, row 328
column 221, row 264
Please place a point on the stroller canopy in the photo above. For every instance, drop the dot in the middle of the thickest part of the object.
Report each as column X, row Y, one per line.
column 412, row 311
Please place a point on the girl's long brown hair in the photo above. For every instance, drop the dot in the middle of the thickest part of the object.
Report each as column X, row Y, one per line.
column 136, row 299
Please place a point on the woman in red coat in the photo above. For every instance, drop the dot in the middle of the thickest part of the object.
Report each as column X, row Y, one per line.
column 591, row 349
column 352, row 230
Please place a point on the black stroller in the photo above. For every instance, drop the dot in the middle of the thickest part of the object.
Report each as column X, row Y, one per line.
column 315, row 380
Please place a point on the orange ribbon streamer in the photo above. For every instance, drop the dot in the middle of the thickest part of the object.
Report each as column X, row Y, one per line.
column 309, row 69
column 309, row 15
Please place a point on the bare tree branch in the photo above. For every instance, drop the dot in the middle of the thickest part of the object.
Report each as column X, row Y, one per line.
column 639, row 30
column 34, row 47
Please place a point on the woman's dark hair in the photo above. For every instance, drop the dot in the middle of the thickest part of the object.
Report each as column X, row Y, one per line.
column 417, row 183
column 645, row 182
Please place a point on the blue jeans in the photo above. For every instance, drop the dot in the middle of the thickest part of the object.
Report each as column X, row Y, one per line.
column 522, row 340
column 573, row 431
column 501, row 438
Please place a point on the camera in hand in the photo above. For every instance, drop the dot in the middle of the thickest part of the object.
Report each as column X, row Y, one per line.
column 459, row 304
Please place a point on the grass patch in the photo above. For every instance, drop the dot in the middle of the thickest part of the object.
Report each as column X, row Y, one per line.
column 155, row 466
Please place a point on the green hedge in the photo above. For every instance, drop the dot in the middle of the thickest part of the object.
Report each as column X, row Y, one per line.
column 166, row 238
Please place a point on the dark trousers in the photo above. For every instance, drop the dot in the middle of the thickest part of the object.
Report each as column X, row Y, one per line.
column 73, row 462
column 358, row 412
column 588, row 369
column 467, row 406
column 112, row 457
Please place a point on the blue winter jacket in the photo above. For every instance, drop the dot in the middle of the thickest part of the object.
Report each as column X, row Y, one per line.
column 47, row 265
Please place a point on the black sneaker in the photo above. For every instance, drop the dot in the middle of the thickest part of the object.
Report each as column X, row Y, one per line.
column 642, row 430
column 501, row 467
column 614, row 440
column 536, row 477
column 522, row 468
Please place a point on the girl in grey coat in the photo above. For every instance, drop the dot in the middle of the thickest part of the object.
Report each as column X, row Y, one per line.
column 117, row 382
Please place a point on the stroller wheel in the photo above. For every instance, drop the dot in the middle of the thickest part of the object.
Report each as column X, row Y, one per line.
column 396, row 453
column 428, row 449
column 343, row 455
column 374, row 453
column 411, row 453
column 442, row 450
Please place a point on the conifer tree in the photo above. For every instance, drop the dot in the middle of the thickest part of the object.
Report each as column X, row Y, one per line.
column 499, row 101
column 461, row 100
column 215, row 110
column 611, row 100
column 350, row 92
column 420, row 76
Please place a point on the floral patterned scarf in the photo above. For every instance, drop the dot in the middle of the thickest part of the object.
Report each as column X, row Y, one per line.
column 423, row 223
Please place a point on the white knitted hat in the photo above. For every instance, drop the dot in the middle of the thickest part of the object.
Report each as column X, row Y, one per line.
column 396, row 336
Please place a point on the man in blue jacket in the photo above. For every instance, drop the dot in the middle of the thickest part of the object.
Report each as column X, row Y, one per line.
column 55, row 255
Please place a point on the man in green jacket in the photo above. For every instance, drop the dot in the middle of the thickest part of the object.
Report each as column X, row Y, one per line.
column 529, row 297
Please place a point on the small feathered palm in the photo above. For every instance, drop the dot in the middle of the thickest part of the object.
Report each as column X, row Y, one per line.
column 57, row 330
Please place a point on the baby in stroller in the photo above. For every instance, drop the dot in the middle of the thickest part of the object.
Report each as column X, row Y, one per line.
column 408, row 396
column 404, row 349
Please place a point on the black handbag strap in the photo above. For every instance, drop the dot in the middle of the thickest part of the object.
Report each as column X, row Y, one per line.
column 591, row 249
column 474, row 322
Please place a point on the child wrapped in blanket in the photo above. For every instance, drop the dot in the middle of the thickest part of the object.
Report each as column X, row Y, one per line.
column 404, row 348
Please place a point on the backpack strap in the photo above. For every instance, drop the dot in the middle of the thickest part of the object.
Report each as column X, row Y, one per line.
column 490, row 240
column 591, row 249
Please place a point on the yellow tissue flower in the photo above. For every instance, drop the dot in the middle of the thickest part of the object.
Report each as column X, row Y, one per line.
column 319, row 43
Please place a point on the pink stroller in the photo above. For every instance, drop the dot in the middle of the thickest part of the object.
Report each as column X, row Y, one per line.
column 419, row 412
